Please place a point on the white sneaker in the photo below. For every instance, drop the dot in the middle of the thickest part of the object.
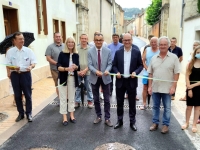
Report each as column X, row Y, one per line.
column 101, row 96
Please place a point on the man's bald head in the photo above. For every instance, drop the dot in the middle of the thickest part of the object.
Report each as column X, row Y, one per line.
column 128, row 35
column 127, row 41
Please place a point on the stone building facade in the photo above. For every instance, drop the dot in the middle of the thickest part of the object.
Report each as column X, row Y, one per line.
column 164, row 18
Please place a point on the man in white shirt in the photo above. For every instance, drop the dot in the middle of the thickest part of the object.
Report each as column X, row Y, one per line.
column 21, row 61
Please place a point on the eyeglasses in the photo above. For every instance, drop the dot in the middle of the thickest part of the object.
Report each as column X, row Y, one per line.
column 127, row 40
column 98, row 34
column 98, row 40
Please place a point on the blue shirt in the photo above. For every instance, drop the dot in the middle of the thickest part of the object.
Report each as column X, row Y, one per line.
column 113, row 48
column 149, row 55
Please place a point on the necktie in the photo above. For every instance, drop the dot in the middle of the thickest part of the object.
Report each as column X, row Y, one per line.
column 99, row 60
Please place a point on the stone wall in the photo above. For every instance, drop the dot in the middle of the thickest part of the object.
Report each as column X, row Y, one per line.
column 190, row 8
column 164, row 19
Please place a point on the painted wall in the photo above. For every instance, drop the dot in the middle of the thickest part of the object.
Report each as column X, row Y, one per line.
column 93, row 15
column 107, row 21
column 174, row 21
column 191, row 32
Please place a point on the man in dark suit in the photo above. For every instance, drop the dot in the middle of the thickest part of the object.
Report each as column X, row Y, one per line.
column 127, row 63
column 99, row 64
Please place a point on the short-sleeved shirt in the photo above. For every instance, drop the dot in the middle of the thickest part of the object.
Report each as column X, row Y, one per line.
column 83, row 57
column 54, row 50
column 177, row 51
column 163, row 69
column 22, row 58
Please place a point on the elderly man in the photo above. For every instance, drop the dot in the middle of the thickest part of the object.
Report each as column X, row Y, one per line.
column 84, row 72
column 52, row 53
column 114, row 46
column 100, row 63
column 146, row 58
column 163, row 66
column 177, row 51
column 23, row 60
column 127, row 63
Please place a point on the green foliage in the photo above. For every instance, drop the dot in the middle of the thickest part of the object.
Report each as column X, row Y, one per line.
column 198, row 6
column 129, row 12
column 153, row 12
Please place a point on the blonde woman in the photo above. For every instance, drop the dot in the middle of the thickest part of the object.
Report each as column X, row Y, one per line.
column 68, row 64
column 193, row 88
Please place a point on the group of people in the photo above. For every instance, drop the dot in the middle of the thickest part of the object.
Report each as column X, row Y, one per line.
column 95, row 63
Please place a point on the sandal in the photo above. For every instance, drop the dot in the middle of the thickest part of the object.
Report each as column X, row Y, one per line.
column 182, row 99
column 14, row 103
column 143, row 107
column 185, row 126
column 194, row 130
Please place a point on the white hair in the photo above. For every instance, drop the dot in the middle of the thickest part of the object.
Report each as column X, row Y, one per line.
column 198, row 42
column 154, row 38
column 166, row 38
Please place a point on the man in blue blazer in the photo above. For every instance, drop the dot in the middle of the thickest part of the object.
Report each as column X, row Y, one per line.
column 127, row 63
column 99, row 64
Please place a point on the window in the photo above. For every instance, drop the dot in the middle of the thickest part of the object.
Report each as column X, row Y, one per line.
column 42, row 16
column 197, row 35
column 55, row 26
column 63, row 31
column 10, row 20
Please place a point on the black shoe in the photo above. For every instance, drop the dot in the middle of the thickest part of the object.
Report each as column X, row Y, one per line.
column 118, row 125
column 20, row 117
column 29, row 117
column 65, row 123
column 72, row 120
column 133, row 127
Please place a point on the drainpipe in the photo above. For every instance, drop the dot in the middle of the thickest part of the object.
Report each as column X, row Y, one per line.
column 181, row 25
column 100, row 15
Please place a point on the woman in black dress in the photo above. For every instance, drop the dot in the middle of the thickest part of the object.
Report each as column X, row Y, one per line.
column 193, row 89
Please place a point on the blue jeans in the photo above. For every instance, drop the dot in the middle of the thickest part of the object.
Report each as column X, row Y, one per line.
column 166, row 100
column 88, row 88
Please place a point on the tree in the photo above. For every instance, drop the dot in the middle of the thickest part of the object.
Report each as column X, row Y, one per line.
column 153, row 12
column 198, row 6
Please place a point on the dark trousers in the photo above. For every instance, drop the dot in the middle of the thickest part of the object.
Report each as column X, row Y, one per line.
column 22, row 82
column 131, row 99
column 106, row 90
column 111, row 84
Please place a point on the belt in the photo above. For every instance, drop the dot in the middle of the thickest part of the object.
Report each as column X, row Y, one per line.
column 71, row 75
column 20, row 72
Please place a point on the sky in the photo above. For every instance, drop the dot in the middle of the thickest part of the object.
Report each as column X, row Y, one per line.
column 133, row 3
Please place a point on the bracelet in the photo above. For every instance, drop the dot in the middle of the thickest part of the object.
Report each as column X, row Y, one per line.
column 189, row 89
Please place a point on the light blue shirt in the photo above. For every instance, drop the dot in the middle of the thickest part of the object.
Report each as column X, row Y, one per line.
column 22, row 58
column 113, row 48
column 149, row 55
column 127, row 62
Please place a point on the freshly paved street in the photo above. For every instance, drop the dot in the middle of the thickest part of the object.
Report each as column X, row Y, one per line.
column 47, row 131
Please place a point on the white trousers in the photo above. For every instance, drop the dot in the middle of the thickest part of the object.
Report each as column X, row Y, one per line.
column 67, row 92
